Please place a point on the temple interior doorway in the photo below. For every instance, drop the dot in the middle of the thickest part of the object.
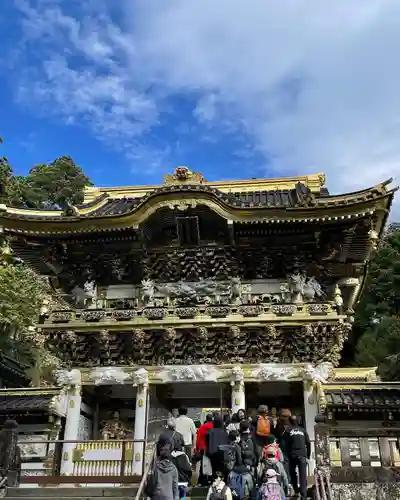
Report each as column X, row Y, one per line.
column 276, row 395
column 197, row 397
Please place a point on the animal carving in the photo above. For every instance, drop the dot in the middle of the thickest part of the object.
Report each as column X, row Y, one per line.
column 148, row 291
column 303, row 288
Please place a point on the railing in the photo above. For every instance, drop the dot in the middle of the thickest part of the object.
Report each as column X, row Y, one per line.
column 206, row 311
column 119, row 461
column 323, row 490
column 371, row 451
column 147, row 472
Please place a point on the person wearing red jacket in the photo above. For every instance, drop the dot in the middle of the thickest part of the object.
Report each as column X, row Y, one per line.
column 202, row 432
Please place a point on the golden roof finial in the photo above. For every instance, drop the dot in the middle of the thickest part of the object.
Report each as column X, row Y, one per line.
column 183, row 175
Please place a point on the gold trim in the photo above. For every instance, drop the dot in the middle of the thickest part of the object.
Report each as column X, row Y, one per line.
column 314, row 182
column 186, row 200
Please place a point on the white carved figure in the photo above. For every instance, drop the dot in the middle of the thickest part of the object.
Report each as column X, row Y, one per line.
column 191, row 373
column 186, row 373
column 141, row 377
column 84, row 295
column 108, row 376
column 313, row 289
column 236, row 290
column 268, row 372
column 148, row 291
column 68, row 378
column 319, row 373
column 237, row 375
column 301, row 287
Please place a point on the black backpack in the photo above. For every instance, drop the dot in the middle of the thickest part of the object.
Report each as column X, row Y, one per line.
column 218, row 495
column 228, row 455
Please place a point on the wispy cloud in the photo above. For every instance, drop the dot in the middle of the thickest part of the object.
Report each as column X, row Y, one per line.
column 313, row 84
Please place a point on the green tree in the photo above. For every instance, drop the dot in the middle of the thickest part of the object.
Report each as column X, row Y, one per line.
column 22, row 291
column 55, row 185
column 378, row 314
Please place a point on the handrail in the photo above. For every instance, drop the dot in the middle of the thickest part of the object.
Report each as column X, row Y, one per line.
column 52, row 441
column 145, row 474
column 322, row 491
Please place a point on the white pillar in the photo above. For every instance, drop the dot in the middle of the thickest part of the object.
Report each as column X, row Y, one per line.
column 71, row 424
column 310, row 412
column 140, row 421
column 238, row 396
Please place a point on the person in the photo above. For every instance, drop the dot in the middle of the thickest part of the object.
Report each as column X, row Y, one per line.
column 219, row 490
column 10, row 453
column 216, row 438
column 233, row 424
column 204, row 469
column 262, row 428
column 186, row 427
column 241, row 479
column 247, row 447
column 298, row 447
column 271, row 462
column 272, row 441
column 163, row 482
column 280, row 432
column 171, row 434
column 270, row 488
column 184, row 468
column 241, row 414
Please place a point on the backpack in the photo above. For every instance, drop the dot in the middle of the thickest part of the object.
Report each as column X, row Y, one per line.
column 278, row 451
column 270, row 491
column 228, row 454
column 275, row 467
column 263, row 426
column 237, row 484
column 218, row 495
column 151, row 484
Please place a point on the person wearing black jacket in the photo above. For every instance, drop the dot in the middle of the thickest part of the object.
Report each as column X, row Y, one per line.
column 184, row 468
column 298, row 448
column 172, row 435
column 215, row 438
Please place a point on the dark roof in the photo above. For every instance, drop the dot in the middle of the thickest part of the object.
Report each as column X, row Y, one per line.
column 34, row 403
column 359, row 398
column 12, row 371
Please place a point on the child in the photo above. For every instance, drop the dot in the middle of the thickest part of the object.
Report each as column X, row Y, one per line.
column 272, row 463
column 270, row 488
column 271, row 441
column 219, row 490
column 184, row 468
column 163, row 483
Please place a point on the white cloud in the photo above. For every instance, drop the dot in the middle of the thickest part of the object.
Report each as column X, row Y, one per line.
column 315, row 84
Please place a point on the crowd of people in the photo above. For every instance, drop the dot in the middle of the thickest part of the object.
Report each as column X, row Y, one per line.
column 239, row 458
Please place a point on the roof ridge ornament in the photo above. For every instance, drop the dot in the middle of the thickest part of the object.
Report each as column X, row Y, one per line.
column 183, row 175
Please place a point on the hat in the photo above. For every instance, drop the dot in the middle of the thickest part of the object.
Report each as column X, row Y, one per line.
column 271, row 451
column 272, row 473
column 263, row 409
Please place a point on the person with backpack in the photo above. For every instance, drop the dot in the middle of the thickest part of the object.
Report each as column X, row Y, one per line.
column 219, row 490
column 262, row 428
column 241, row 479
column 171, row 434
column 272, row 441
column 270, row 489
column 184, row 468
column 298, row 448
column 216, row 438
column 271, row 462
column 163, row 482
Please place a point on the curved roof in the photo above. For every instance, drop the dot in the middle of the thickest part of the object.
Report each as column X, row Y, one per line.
column 108, row 212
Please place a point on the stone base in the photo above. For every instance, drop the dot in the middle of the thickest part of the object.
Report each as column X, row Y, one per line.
column 366, row 491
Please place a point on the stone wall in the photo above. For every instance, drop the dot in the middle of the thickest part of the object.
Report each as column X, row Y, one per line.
column 366, row 491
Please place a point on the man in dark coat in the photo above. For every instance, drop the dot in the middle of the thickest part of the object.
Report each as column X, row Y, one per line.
column 172, row 435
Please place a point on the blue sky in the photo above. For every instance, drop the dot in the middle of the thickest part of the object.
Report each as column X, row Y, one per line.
column 132, row 88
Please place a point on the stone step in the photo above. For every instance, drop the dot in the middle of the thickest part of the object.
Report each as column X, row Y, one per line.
column 62, row 492
column 83, row 496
